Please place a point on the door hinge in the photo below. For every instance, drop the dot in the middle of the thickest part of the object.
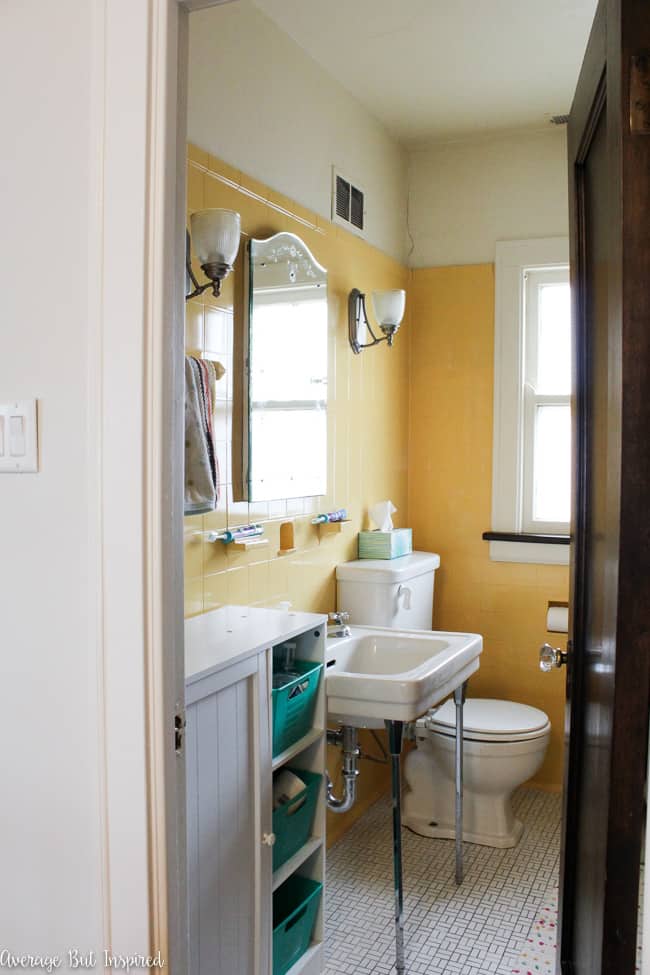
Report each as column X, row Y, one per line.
column 180, row 723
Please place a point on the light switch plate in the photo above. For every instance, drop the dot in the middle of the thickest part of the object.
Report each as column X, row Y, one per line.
column 19, row 437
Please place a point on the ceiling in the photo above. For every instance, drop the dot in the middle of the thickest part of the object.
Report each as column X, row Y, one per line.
column 432, row 70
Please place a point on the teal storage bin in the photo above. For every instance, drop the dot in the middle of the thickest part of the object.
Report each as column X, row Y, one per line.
column 386, row 545
column 295, row 905
column 292, row 821
column 293, row 705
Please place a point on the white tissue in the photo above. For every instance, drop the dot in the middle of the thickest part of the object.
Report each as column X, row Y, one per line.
column 380, row 515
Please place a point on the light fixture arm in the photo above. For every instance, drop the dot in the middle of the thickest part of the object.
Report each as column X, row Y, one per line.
column 356, row 314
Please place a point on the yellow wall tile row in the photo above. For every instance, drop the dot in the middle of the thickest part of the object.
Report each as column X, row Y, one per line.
column 450, row 491
column 369, row 415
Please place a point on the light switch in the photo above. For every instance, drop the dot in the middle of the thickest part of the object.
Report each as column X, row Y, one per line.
column 18, row 437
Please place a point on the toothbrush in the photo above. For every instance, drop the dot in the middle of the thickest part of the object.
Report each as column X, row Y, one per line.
column 339, row 515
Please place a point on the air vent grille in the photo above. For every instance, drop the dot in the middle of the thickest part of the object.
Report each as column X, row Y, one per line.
column 348, row 203
column 342, row 205
column 356, row 207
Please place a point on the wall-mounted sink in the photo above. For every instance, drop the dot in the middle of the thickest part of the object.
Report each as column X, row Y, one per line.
column 378, row 674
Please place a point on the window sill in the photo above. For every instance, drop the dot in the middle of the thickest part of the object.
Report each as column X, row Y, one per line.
column 523, row 547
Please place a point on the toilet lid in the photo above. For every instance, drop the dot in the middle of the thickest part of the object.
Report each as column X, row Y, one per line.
column 485, row 719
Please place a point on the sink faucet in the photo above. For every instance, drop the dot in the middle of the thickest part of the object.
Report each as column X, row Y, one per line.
column 337, row 625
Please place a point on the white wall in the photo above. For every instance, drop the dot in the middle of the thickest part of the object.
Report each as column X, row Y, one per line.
column 464, row 196
column 260, row 103
column 74, row 84
column 49, row 813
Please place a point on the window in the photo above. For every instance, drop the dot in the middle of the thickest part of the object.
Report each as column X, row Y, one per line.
column 532, row 415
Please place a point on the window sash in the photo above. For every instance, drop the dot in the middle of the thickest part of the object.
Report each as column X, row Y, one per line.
column 513, row 259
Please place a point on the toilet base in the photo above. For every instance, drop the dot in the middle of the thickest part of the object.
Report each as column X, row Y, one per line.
column 442, row 831
column 492, row 772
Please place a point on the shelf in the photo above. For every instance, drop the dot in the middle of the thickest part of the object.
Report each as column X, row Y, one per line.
column 311, row 962
column 314, row 734
column 246, row 544
column 297, row 860
column 333, row 527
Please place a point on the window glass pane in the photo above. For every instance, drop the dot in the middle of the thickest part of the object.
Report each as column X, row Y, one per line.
column 290, row 456
column 554, row 340
column 552, row 464
column 280, row 328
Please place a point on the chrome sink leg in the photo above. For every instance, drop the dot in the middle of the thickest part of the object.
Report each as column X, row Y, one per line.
column 395, row 729
column 459, row 700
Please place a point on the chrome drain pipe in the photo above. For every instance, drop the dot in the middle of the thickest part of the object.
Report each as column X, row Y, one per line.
column 347, row 738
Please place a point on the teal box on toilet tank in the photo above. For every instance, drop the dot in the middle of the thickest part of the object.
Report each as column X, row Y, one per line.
column 385, row 544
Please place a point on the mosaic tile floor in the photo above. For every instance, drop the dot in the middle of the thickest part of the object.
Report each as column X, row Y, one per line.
column 480, row 928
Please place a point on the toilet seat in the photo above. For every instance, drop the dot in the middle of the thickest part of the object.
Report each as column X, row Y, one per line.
column 487, row 720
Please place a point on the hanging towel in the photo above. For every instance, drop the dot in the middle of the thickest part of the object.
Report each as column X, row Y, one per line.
column 202, row 486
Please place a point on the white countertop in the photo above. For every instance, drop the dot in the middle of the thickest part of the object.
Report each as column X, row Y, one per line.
column 224, row 636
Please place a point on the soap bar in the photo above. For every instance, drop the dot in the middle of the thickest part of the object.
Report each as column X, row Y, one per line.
column 385, row 545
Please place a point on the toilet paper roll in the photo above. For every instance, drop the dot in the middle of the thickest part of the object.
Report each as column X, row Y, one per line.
column 557, row 619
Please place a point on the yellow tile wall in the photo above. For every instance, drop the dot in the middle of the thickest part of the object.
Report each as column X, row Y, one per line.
column 450, row 484
column 369, row 423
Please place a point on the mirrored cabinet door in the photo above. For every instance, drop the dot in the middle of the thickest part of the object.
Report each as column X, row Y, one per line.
column 285, row 398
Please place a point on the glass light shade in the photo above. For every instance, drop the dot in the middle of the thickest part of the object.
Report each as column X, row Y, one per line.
column 215, row 235
column 389, row 306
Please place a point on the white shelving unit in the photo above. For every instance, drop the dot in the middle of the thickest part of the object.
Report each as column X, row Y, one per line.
column 228, row 669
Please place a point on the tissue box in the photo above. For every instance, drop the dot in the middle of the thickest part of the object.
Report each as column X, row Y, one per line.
column 385, row 545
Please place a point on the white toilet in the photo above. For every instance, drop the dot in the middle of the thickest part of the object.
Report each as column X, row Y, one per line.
column 504, row 742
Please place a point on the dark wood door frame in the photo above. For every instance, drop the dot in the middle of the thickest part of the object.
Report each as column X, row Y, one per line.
column 621, row 32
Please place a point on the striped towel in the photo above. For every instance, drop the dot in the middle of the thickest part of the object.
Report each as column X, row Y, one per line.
column 202, row 487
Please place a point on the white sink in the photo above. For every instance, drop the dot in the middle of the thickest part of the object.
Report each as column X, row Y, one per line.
column 378, row 674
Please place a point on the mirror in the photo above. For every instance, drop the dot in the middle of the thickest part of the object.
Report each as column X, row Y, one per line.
column 285, row 372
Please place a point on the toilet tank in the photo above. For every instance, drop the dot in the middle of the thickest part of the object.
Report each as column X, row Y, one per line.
column 388, row 592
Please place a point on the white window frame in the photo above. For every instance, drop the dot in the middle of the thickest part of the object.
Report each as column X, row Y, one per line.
column 514, row 258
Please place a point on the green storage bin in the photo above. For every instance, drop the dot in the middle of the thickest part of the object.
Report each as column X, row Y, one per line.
column 292, row 821
column 295, row 905
column 293, row 705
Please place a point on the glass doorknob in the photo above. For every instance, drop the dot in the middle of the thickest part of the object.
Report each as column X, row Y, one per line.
column 551, row 657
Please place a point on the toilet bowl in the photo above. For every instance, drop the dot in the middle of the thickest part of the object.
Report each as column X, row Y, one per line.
column 504, row 744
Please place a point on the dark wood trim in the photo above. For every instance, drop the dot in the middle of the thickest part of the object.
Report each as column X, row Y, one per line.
column 526, row 537
column 628, row 34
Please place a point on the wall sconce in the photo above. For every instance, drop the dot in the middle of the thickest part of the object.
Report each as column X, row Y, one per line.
column 215, row 235
column 388, row 307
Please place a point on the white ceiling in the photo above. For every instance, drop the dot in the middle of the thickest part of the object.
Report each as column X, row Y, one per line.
column 438, row 69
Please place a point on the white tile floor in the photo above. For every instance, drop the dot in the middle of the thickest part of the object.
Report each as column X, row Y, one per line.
column 478, row 928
